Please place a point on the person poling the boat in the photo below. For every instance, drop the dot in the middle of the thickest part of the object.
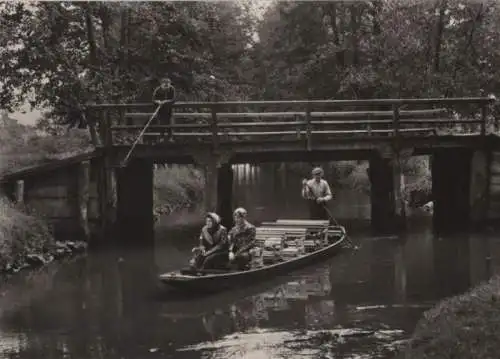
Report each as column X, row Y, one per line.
column 213, row 249
column 317, row 192
column 164, row 96
column 241, row 240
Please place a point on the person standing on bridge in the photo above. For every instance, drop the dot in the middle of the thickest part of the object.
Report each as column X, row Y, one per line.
column 317, row 192
column 164, row 96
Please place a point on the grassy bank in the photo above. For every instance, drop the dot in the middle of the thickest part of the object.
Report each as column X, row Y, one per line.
column 465, row 326
column 26, row 240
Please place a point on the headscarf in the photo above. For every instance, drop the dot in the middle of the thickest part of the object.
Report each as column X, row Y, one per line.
column 216, row 222
column 240, row 212
column 317, row 170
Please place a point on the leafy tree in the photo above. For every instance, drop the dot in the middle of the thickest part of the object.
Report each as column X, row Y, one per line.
column 390, row 48
column 61, row 55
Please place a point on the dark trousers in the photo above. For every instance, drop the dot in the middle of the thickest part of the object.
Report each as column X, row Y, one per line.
column 241, row 261
column 164, row 117
column 217, row 260
column 317, row 211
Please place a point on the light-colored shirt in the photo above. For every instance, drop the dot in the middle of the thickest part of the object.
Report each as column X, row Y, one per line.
column 314, row 190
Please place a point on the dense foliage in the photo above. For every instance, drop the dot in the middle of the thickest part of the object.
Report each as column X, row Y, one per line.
column 21, row 235
column 406, row 48
column 177, row 187
column 23, row 146
column 57, row 55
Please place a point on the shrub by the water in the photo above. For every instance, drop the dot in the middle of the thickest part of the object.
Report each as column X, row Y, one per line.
column 465, row 327
column 23, row 237
column 177, row 187
column 26, row 240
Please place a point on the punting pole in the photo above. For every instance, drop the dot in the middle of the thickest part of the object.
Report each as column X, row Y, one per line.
column 125, row 161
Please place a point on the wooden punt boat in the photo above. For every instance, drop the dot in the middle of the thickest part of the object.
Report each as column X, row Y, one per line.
column 188, row 306
column 331, row 238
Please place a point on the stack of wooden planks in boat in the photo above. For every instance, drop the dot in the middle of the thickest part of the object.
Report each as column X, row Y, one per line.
column 286, row 239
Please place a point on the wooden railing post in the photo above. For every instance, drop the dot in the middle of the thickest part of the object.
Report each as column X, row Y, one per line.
column 214, row 127
column 308, row 127
column 484, row 118
column 109, row 133
column 19, row 192
column 121, row 116
column 395, row 122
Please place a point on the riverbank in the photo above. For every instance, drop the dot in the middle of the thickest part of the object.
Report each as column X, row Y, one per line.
column 27, row 242
column 177, row 188
column 465, row 326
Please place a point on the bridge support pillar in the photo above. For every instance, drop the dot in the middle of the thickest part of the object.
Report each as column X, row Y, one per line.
column 479, row 187
column 225, row 177
column 106, row 190
column 218, row 184
column 83, row 199
column 135, row 220
column 387, row 208
column 451, row 180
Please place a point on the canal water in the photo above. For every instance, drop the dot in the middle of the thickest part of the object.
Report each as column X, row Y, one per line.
column 360, row 304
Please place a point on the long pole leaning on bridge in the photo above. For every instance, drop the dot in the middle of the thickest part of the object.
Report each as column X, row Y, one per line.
column 125, row 160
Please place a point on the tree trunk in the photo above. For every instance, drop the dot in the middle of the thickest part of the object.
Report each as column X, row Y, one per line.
column 93, row 61
column 332, row 13
column 375, row 12
column 123, row 52
column 475, row 19
column 355, row 12
column 439, row 35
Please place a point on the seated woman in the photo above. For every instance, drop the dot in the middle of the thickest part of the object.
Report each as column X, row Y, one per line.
column 241, row 240
column 213, row 249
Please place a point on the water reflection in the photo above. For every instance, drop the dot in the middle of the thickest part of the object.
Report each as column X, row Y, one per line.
column 108, row 305
column 105, row 305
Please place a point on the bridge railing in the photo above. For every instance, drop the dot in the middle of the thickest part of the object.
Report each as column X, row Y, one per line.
column 318, row 120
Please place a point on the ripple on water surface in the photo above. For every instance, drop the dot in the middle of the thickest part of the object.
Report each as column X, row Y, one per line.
column 259, row 343
column 357, row 305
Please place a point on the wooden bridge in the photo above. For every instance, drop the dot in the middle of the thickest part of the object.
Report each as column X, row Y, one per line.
column 458, row 133
column 214, row 135
column 276, row 130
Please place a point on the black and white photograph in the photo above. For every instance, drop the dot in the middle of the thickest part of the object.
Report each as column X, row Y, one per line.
column 250, row 179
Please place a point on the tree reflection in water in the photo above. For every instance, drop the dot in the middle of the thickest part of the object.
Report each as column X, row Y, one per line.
column 249, row 313
column 101, row 306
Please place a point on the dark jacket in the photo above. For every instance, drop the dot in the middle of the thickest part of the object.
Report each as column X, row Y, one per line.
column 242, row 237
column 162, row 94
column 216, row 239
